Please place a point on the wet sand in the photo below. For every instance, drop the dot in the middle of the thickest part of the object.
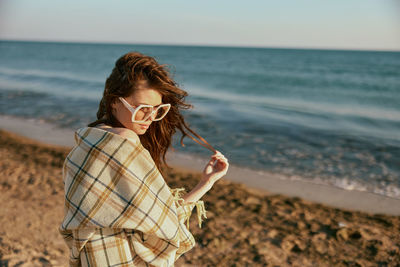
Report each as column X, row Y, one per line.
column 245, row 227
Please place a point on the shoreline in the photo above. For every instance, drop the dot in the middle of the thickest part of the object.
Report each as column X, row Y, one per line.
column 263, row 182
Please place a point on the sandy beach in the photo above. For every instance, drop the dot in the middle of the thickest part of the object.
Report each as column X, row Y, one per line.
column 245, row 226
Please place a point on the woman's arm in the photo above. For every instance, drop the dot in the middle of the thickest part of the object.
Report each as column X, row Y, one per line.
column 215, row 169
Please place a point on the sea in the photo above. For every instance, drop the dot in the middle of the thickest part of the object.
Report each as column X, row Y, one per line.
column 323, row 116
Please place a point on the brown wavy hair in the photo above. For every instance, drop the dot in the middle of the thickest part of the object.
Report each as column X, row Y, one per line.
column 130, row 69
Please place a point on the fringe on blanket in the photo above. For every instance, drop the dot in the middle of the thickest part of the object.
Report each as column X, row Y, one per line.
column 177, row 193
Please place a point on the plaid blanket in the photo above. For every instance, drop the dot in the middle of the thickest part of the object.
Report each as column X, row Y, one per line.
column 119, row 211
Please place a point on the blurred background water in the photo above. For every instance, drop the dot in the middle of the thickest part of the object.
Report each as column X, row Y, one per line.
column 324, row 116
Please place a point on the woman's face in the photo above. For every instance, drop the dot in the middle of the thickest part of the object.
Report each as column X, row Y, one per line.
column 143, row 95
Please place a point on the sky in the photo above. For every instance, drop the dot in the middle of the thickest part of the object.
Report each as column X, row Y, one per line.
column 335, row 24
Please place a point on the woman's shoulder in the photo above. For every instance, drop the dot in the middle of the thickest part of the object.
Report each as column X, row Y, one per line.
column 126, row 133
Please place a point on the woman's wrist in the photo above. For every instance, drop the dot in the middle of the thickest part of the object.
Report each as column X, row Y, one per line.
column 204, row 185
column 206, row 182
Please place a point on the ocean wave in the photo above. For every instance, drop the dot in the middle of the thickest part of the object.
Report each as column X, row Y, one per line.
column 46, row 88
column 298, row 105
column 40, row 73
column 351, row 184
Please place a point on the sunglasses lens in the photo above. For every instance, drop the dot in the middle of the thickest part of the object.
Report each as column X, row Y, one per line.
column 161, row 112
column 145, row 112
column 142, row 114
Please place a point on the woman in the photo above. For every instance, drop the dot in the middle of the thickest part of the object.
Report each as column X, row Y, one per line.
column 118, row 209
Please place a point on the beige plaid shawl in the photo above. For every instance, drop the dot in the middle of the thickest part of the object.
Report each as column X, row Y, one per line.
column 119, row 211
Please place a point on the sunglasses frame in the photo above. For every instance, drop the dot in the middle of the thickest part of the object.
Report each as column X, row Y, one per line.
column 135, row 110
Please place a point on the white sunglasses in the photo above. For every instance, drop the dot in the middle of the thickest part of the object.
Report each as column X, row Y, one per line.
column 143, row 112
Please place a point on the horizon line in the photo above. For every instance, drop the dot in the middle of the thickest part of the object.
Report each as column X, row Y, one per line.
column 199, row 45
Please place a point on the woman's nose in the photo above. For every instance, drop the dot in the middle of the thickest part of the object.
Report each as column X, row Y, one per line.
column 151, row 118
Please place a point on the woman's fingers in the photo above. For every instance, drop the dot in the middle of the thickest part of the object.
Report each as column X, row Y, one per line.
column 218, row 158
column 217, row 167
column 218, row 154
column 221, row 162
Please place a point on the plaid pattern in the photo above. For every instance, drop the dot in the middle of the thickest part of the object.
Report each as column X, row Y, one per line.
column 118, row 209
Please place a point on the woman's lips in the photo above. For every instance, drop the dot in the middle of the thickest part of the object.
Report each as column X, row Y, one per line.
column 144, row 126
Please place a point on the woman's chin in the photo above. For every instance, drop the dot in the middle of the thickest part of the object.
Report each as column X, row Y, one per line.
column 140, row 128
column 139, row 131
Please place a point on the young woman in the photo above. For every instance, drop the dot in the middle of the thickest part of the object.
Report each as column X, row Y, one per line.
column 119, row 211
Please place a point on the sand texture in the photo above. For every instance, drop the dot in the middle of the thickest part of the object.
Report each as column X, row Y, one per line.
column 244, row 227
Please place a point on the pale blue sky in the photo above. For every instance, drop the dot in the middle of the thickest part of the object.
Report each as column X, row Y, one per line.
column 339, row 24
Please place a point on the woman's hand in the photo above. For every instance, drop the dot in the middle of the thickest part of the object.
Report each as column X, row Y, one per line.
column 215, row 169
